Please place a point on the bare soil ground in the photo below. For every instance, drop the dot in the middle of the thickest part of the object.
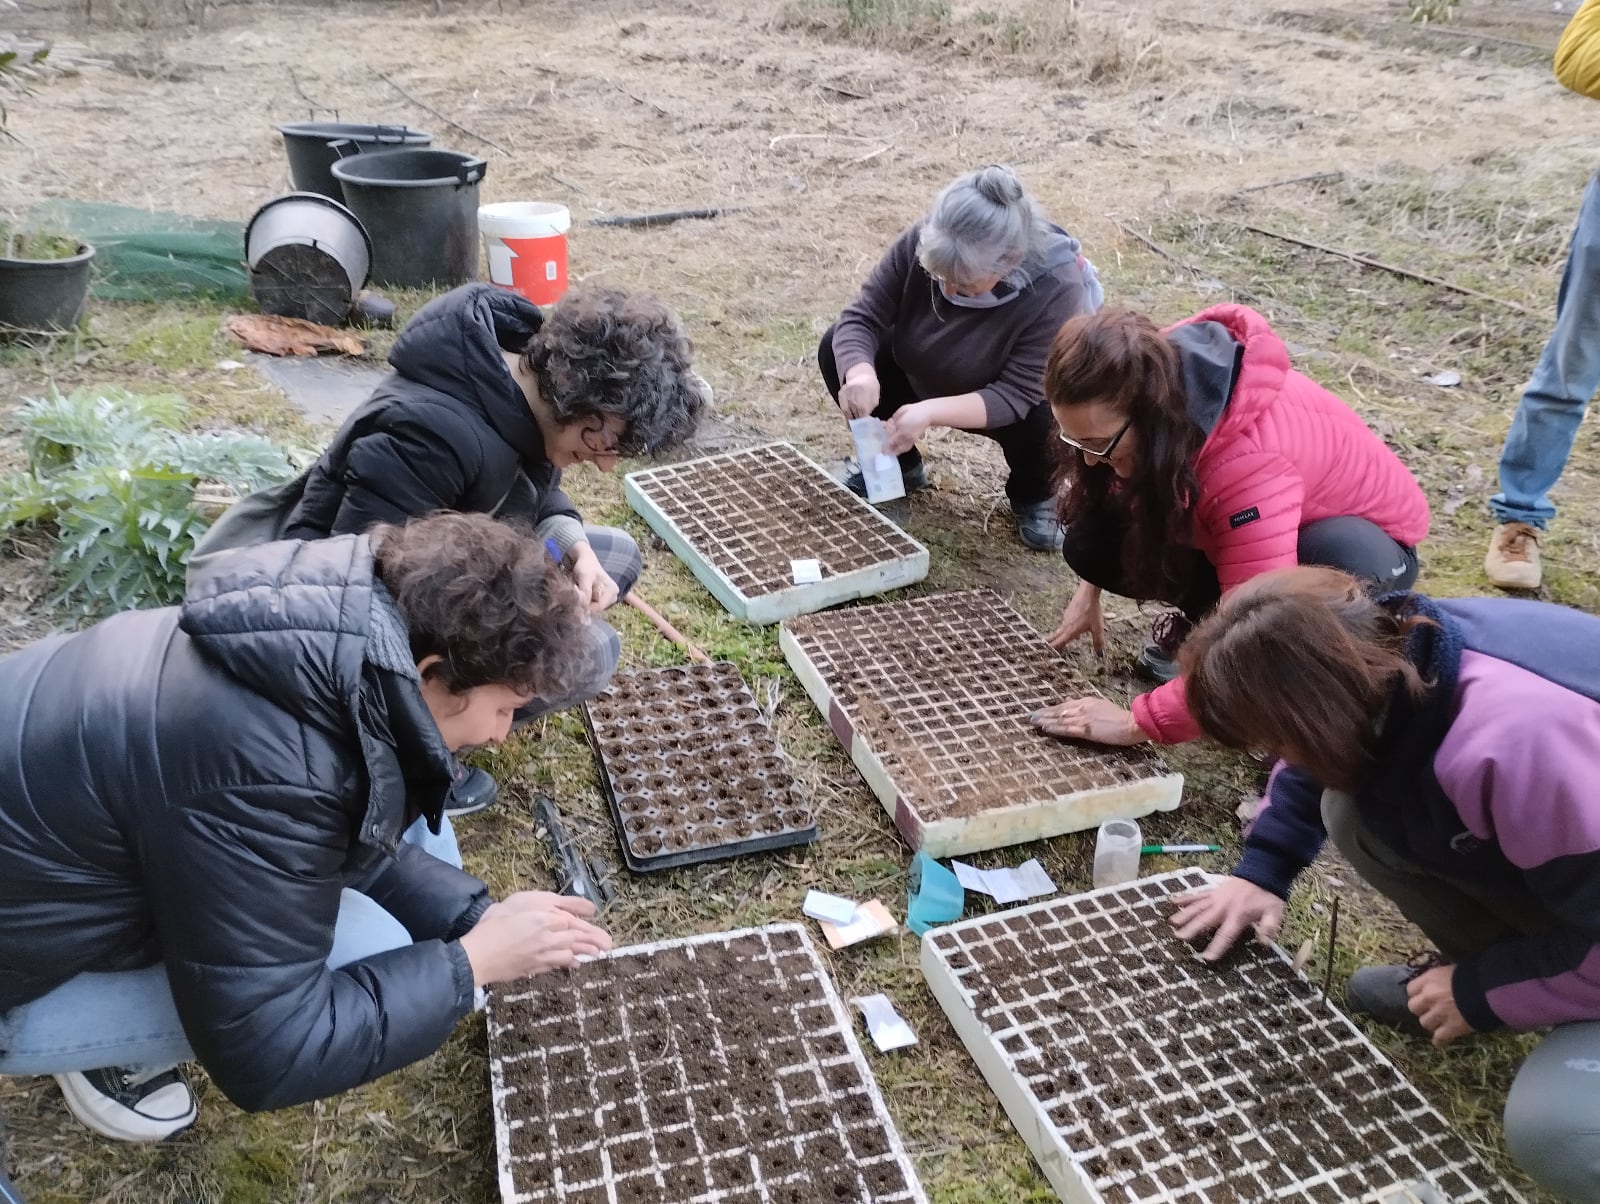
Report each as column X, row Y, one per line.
column 1177, row 148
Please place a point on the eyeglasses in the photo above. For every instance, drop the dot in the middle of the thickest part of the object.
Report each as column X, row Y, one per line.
column 1099, row 453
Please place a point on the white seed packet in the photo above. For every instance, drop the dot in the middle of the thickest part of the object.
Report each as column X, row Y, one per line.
column 1027, row 881
column 888, row 1030
column 806, row 572
column 836, row 909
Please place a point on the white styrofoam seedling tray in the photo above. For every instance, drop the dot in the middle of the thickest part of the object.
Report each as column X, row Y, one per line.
column 986, row 1031
column 1031, row 817
column 800, row 544
column 820, row 1001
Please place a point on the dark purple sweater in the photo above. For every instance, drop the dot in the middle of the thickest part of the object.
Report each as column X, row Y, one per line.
column 946, row 350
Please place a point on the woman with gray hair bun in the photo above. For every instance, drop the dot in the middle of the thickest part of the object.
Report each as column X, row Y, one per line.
column 953, row 328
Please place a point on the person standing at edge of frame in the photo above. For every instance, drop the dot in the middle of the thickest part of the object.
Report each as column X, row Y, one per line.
column 952, row 329
column 1447, row 746
column 1568, row 372
column 1197, row 459
column 224, row 823
column 489, row 401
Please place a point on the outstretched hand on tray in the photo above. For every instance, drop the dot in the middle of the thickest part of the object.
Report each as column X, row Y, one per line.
column 1227, row 909
column 1097, row 720
column 531, row 932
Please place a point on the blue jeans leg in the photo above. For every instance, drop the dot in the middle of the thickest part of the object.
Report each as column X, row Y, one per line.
column 129, row 1018
column 1564, row 381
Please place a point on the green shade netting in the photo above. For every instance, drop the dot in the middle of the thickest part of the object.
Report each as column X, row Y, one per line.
column 147, row 255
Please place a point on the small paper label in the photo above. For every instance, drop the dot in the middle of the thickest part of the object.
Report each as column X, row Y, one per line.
column 872, row 919
column 888, row 1030
column 820, row 905
column 806, row 572
column 1027, row 881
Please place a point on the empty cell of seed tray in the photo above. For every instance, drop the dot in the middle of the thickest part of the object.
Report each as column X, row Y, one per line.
column 716, row 1068
column 691, row 768
column 740, row 519
column 1137, row 1073
column 931, row 697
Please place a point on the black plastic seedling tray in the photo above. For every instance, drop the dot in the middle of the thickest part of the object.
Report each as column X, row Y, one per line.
column 691, row 770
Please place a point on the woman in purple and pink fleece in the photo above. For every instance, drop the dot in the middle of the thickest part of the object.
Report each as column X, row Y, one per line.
column 1449, row 747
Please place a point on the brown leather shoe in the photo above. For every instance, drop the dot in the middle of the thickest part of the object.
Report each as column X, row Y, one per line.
column 1513, row 559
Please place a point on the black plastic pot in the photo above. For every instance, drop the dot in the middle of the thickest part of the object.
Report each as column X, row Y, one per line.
column 44, row 294
column 421, row 209
column 314, row 147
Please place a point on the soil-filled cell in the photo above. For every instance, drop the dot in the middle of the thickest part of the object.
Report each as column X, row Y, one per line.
column 708, row 1113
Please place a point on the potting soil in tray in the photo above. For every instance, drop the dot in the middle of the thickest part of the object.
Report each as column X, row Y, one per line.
column 1138, row 1073
column 716, row 1069
column 691, row 769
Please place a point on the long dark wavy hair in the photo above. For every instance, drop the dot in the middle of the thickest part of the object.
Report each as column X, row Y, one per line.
column 1119, row 358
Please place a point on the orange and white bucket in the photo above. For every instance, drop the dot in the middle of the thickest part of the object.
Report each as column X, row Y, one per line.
column 526, row 242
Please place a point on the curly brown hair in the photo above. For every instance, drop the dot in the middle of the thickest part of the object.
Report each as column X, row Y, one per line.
column 487, row 599
column 1300, row 663
column 1120, row 358
column 604, row 353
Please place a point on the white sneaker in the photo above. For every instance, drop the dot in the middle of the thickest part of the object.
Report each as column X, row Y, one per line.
column 130, row 1105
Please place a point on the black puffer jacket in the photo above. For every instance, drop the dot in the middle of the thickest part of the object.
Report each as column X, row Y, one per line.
column 448, row 430
column 195, row 785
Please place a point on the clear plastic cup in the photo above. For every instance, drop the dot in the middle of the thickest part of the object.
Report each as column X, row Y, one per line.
column 1116, row 853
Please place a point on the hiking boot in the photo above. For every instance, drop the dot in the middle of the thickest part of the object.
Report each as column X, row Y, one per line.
column 915, row 476
column 127, row 1104
column 472, row 790
column 1037, row 524
column 1513, row 559
column 1380, row 993
column 1159, row 660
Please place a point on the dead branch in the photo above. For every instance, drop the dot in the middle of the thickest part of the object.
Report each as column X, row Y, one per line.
column 1548, row 51
column 1393, row 269
column 315, row 107
column 1312, row 178
column 1155, row 246
column 649, row 221
column 690, row 649
column 427, row 108
column 640, row 100
column 842, row 91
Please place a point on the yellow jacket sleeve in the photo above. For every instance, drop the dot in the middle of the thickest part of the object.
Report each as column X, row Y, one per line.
column 1577, row 62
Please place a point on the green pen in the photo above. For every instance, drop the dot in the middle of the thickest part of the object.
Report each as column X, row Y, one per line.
column 1180, row 848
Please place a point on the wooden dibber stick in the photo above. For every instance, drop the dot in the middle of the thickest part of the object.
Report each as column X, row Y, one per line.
column 692, row 650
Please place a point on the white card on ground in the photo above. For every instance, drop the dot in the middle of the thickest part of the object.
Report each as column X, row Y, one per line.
column 820, row 905
column 1027, row 881
column 806, row 572
column 888, row 1030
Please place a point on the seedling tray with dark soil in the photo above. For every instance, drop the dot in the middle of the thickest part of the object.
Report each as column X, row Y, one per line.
column 739, row 519
column 931, row 698
column 691, row 769
column 717, row 1069
column 1136, row 1073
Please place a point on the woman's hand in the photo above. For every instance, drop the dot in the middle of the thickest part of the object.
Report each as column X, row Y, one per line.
column 1431, row 996
column 1228, row 908
column 531, row 932
column 596, row 590
column 905, row 426
column 1098, row 720
column 1082, row 613
column 859, row 394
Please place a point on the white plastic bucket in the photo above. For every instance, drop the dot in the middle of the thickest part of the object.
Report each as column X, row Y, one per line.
column 526, row 242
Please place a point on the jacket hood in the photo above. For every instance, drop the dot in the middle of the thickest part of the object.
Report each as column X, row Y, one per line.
column 1234, row 366
column 453, row 345
column 1208, row 356
column 308, row 626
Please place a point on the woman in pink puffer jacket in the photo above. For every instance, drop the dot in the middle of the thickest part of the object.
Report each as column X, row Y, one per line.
column 1200, row 459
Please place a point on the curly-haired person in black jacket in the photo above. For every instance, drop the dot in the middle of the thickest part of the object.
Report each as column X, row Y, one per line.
column 489, row 401
column 203, row 810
